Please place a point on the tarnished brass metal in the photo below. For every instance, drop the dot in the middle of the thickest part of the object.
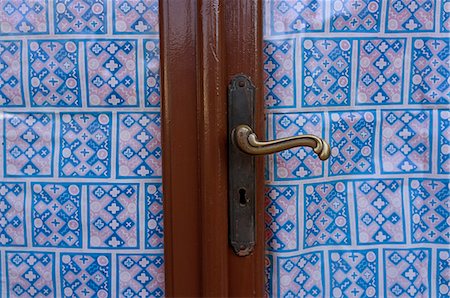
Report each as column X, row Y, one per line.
column 247, row 141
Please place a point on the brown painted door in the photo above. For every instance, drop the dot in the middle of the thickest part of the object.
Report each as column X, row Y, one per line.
column 203, row 44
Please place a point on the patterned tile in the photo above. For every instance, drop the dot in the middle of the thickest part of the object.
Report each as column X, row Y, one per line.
column 11, row 90
column 293, row 16
column 268, row 279
column 30, row 274
column 85, row 275
column 281, row 217
column 154, row 227
column 53, row 73
column 407, row 272
column 279, row 78
column 80, row 16
column 430, row 203
column 139, row 145
column 300, row 162
column 136, row 16
column 430, row 71
column 152, row 75
column 405, row 141
column 354, row 273
column 12, row 214
column 443, row 273
column 85, row 145
column 410, row 16
column 326, row 72
column 140, row 275
column 113, row 215
column 301, row 275
column 379, row 211
column 112, row 73
column 352, row 138
column 28, row 139
column 356, row 15
column 56, row 215
column 380, row 71
column 445, row 16
column 444, row 142
column 23, row 17
column 326, row 215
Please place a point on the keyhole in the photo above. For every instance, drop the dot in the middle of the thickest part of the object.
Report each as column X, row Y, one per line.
column 242, row 196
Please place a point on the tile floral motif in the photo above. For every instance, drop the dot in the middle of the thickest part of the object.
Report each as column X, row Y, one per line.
column 281, row 217
column 407, row 272
column 85, row 275
column 139, row 145
column 113, row 215
column 31, row 274
column 85, row 145
column 430, row 201
column 445, row 16
column 56, row 215
column 140, row 275
column 326, row 215
column 430, row 71
column 356, row 16
column 154, row 216
column 326, row 72
column 24, row 17
column 410, row 16
column 352, row 139
column 279, row 79
column 300, row 162
column 112, row 73
column 405, row 141
column 354, row 273
column 379, row 210
column 12, row 214
column 152, row 75
column 443, row 273
column 268, row 268
column 301, row 275
column 28, row 140
column 53, row 73
column 292, row 16
column 11, row 91
column 136, row 16
column 444, row 142
column 380, row 72
column 80, row 16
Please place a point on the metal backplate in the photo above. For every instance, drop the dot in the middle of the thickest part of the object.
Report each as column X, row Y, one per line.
column 241, row 168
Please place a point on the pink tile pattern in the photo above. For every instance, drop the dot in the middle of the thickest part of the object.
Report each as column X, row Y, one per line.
column 356, row 16
column 281, row 217
column 24, row 17
column 11, row 93
column 410, row 16
column 301, row 162
column 290, row 16
column 112, row 73
column 12, row 214
column 140, row 275
column 80, row 16
column 154, row 216
column 136, row 16
column 28, row 144
column 406, row 141
column 113, row 214
column 379, row 205
column 279, row 77
column 380, row 72
column 444, row 142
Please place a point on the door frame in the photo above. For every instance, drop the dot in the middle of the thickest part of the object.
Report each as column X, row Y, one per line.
column 203, row 44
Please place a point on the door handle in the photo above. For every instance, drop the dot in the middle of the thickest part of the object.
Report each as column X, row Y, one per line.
column 246, row 140
column 243, row 145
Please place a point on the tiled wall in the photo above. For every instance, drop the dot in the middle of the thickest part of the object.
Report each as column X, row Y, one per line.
column 372, row 78
column 80, row 161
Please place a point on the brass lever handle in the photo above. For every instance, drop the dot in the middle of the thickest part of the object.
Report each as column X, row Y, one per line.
column 247, row 141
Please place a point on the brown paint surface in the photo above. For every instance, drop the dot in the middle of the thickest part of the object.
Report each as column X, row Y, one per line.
column 203, row 44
